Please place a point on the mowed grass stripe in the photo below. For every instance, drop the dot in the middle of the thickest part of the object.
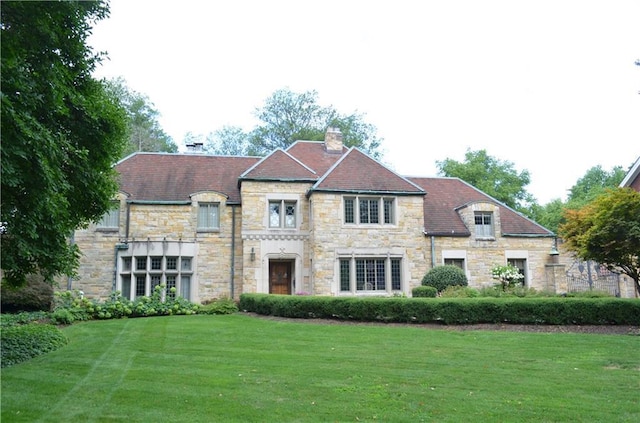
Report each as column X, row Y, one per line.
column 239, row 368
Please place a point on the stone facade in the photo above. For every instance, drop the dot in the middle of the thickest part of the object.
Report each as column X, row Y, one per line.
column 296, row 222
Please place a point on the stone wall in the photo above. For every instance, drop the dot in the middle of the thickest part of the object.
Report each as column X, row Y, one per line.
column 331, row 238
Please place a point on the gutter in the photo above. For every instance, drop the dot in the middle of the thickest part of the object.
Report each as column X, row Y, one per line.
column 161, row 202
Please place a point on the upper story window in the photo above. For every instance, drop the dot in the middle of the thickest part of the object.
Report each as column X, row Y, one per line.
column 282, row 214
column 369, row 210
column 208, row 216
column 111, row 219
column 484, row 224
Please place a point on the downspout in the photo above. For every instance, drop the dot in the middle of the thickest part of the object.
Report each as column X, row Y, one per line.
column 120, row 246
column 72, row 241
column 126, row 229
column 433, row 251
column 233, row 249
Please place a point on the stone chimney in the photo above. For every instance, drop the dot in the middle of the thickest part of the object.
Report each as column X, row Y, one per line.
column 333, row 140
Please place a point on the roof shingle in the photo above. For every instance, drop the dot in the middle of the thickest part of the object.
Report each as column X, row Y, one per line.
column 174, row 177
column 446, row 195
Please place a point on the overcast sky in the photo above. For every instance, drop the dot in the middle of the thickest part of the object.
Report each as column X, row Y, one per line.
column 549, row 85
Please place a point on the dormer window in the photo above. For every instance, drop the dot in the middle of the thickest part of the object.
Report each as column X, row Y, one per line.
column 111, row 219
column 484, row 224
column 208, row 217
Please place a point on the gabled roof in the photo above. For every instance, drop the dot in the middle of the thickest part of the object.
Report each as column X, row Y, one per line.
column 314, row 155
column 445, row 196
column 279, row 166
column 632, row 177
column 174, row 177
column 356, row 172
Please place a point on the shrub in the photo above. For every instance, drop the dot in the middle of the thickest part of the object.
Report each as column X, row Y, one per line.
column 22, row 342
column 36, row 295
column 457, row 291
column 424, row 291
column 22, row 318
column 218, row 306
column 549, row 311
column 441, row 277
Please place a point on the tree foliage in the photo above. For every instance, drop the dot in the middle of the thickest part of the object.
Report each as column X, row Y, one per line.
column 287, row 117
column 61, row 133
column 607, row 230
column 145, row 132
column 594, row 182
column 229, row 141
column 497, row 178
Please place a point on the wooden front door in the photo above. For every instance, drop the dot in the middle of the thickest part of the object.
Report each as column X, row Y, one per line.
column 280, row 277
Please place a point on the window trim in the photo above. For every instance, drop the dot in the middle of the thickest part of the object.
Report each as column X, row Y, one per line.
column 110, row 220
column 282, row 203
column 352, row 268
column 385, row 209
column 150, row 276
column 214, row 226
column 484, row 226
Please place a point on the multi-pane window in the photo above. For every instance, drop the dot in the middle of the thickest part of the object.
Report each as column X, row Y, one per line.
column 282, row 214
column 484, row 224
column 521, row 264
column 111, row 219
column 208, row 216
column 369, row 210
column 149, row 272
column 459, row 262
column 370, row 275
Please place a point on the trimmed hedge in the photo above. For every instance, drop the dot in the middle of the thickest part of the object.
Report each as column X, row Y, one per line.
column 450, row 311
column 424, row 291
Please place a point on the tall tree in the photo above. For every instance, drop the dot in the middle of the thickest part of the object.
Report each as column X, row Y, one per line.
column 497, row 178
column 594, row 182
column 145, row 132
column 228, row 141
column 287, row 117
column 607, row 230
column 61, row 134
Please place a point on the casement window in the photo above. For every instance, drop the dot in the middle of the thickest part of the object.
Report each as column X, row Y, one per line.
column 374, row 274
column 369, row 210
column 484, row 224
column 140, row 275
column 208, row 216
column 282, row 214
column 111, row 219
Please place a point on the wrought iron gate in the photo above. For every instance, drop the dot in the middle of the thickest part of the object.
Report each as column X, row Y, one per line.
column 590, row 276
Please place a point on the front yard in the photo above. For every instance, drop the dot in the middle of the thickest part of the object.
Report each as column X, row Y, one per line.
column 238, row 368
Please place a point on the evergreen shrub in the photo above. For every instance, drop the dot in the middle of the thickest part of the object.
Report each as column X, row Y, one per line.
column 441, row 277
column 424, row 291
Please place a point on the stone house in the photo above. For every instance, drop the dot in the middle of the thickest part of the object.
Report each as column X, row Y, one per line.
column 317, row 218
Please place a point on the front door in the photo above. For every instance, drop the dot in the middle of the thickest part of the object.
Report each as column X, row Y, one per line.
column 280, row 277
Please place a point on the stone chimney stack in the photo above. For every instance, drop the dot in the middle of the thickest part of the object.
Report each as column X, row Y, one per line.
column 333, row 140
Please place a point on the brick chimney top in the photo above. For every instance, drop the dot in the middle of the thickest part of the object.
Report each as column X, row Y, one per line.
column 333, row 140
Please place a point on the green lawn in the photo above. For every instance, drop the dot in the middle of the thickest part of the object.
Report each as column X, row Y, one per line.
column 237, row 368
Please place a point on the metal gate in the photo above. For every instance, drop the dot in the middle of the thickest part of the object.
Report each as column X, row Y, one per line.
column 590, row 276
